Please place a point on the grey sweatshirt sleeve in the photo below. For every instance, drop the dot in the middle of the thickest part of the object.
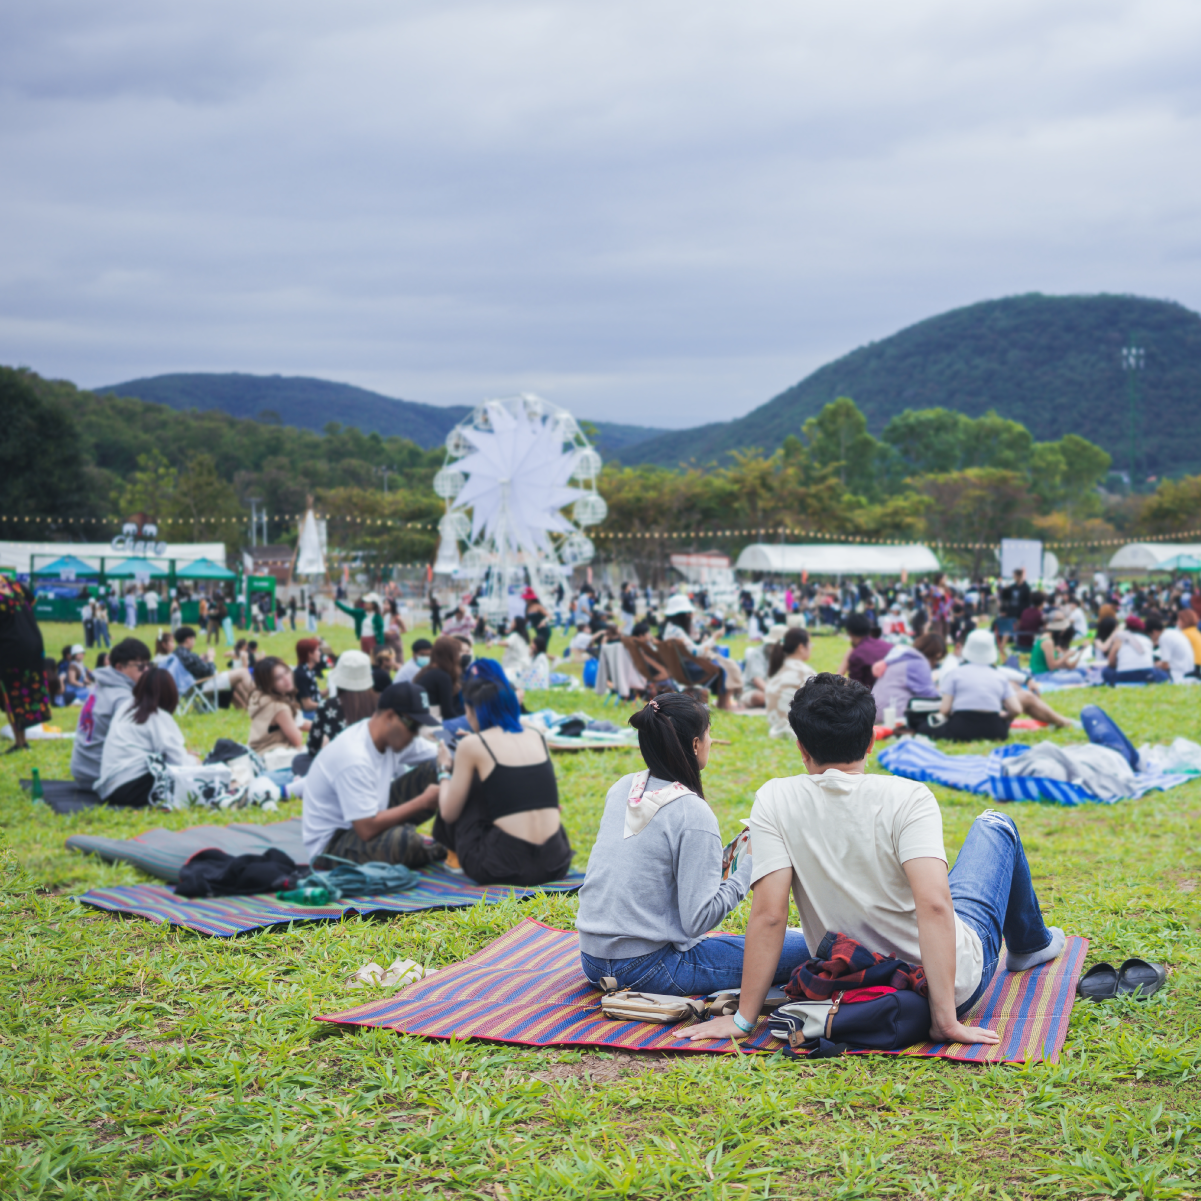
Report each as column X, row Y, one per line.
column 698, row 865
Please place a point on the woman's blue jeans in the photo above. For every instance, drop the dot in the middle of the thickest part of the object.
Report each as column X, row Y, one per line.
column 992, row 892
column 714, row 964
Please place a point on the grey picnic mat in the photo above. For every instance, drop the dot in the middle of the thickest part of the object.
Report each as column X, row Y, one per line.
column 162, row 852
column 65, row 796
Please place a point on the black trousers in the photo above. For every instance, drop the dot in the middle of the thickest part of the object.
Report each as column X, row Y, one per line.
column 490, row 856
column 970, row 725
column 135, row 794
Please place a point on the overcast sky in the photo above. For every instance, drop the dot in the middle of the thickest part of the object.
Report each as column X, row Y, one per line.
column 662, row 213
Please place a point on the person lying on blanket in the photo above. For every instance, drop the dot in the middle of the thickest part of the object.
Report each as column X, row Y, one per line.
column 863, row 855
column 654, row 885
column 352, row 805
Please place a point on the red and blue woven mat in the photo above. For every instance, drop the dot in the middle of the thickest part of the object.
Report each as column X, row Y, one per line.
column 527, row 988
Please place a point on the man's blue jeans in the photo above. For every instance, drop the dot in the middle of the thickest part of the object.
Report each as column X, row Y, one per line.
column 715, row 963
column 992, row 892
column 1142, row 675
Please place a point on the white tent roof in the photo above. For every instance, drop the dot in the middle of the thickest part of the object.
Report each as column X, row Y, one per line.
column 836, row 559
column 1143, row 556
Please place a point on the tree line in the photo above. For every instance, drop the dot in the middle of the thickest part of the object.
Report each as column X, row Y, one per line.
column 933, row 474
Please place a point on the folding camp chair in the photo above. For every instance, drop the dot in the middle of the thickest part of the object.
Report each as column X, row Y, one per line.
column 674, row 658
column 193, row 697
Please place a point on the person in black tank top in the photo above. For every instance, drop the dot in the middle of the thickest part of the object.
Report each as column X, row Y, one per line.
column 529, row 846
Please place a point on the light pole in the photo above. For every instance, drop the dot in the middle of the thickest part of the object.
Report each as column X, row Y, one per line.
column 385, row 472
column 1133, row 358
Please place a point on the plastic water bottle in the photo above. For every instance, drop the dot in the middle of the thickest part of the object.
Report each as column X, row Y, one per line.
column 306, row 896
column 36, row 794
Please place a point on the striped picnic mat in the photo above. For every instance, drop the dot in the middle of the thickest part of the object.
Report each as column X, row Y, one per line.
column 481, row 998
column 223, row 917
column 982, row 774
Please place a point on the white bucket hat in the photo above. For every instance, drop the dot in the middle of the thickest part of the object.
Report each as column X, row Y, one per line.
column 352, row 673
column 678, row 603
column 980, row 648
column 775, row 634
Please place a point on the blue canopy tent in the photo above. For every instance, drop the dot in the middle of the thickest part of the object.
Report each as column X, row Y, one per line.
column 204, row 569
column 137, row 568
column 67, row 567
column 1179, row 563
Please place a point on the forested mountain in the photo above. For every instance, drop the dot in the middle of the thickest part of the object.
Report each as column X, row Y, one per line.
column 310, row 404
column 1052, row 363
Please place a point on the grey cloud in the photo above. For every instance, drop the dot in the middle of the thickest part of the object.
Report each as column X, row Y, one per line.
column 661, row 213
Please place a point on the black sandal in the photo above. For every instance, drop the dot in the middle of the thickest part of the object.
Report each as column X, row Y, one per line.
column 1099, row 983
column 1138, row 978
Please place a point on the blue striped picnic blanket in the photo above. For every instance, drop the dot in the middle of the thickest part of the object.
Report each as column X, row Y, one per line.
column 982, row 774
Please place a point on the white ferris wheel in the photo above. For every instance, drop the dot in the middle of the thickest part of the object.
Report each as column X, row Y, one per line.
column 512, row 467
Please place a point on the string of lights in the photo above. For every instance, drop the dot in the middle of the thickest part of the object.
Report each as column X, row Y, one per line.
column 617, row 535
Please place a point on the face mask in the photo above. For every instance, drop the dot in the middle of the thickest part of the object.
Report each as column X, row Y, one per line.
column 422, row 660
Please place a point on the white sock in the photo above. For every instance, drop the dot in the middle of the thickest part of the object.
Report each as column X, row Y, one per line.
column 1053, row 949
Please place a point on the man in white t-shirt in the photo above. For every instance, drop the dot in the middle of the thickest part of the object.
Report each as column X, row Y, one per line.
column 1173, row 651
column 863, row 855
column 347, row 790
column 1132, row 657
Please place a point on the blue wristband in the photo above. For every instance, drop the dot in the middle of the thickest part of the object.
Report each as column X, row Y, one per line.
column 742, row 1024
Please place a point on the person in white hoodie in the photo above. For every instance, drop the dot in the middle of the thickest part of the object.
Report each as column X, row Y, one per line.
column 114, row 687
column 143, row 726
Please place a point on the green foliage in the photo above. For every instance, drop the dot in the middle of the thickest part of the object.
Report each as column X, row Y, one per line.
column 1175, row 505
column 43, row 469
column 838, row 438
column 142, row 1061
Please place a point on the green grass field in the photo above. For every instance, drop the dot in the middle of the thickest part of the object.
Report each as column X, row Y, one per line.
column 143, row 1062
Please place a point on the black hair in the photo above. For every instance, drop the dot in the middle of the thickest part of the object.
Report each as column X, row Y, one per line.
column 519, row 628
column 683, row 620
column 129, row 650
column 1105, row 627
column 858, row 625
column 667, row 727
column 832, row 717
column 1063, row 638
column 793, row 637
column 1152, row 624
column 184, row 633
column 641, row 629
column 541, row 642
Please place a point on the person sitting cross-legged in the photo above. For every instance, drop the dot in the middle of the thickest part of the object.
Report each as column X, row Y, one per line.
column 498, row 801
column 863, row 856
column 656, row 883
column 348, row 793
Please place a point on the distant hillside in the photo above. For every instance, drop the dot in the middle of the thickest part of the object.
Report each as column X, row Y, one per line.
column 312, row 403
column 1051, row 362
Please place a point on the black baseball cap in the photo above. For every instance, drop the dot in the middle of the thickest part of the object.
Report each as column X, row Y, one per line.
column 408, row 700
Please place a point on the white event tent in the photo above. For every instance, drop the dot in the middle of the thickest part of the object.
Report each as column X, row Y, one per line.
column 836, row 559
column 1146, row 556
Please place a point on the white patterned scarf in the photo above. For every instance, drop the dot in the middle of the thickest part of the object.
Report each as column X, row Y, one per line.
column 641, row 805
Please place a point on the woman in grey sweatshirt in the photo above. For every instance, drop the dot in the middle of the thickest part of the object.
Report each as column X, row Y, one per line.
column 654, row 885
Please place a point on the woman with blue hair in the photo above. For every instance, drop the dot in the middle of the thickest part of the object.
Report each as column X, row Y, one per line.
column 498, row 800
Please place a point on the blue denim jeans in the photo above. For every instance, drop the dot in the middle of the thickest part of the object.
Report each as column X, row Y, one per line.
column 715, row 963
column 992, row 892
column 1142, row 675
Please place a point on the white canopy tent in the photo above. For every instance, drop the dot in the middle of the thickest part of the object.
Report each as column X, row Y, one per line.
column 1146, row 556
column 836, row 559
